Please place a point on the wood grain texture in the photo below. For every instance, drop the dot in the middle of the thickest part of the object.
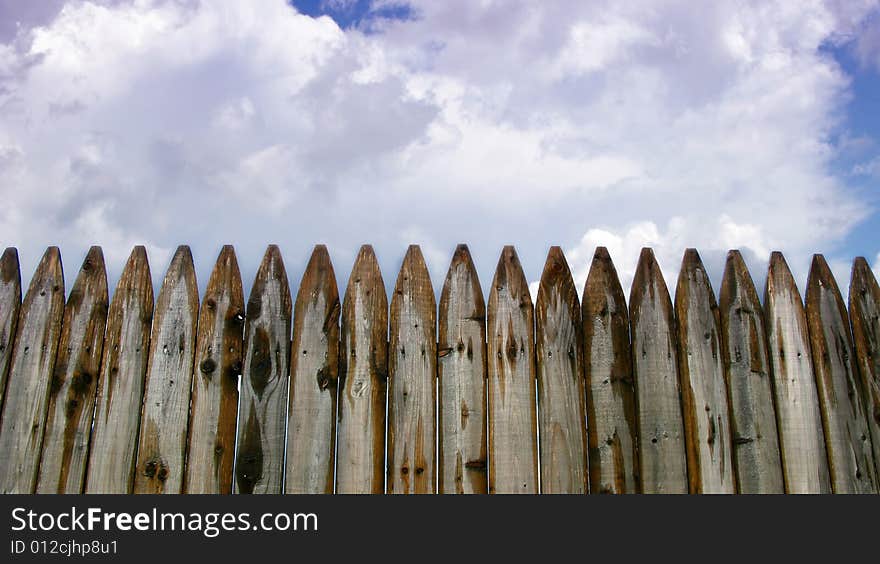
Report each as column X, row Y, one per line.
column 461, row 351
column 560, row 372
column 10, row 304
column 27, row 390
column 164, row 418
column 610, row 392
column 798, row 418
column 841, row 398
column 314, row 372
column 746, row 359
column 113, row 450
column 703, row 390
column 75, row 380
column 864, row 309
column 412, row 370
column 662, row 457
column 363, row 373
column 513, row 444
column 259, row 466
column 214, row 403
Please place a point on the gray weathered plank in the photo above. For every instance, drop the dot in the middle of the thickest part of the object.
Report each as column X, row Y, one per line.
column 864, row 309
column 461, row 351
column 121, row 384
column 798, row 419
column 162, row 441
column 27, row 389
column 701, row 373
column 841, row 398
column 259, row 466
column 363, row 374
column 214, row 403
column 74, row 381
column 412, row 371
column 747, row 370
column 314, row 371
column 10, row 304
column 560, row 373
column 662, row 457
column 513, row 444
column 610, row 394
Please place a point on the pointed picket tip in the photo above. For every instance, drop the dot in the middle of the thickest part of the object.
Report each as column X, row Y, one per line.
column 691, row 276
column 462, row 259
column 862, row 279
column 648, row 277
column 366, row 268
column 821, row 276
column 319, row 278
column 779, row 277
column 271, row 269
column 602, row 287
column 415, row 276
column 136, row 277
column 49, row 272
column 10, row 270
column 557, row 274
column 509, row 275
column 737, row 281
column 226, row 276
column 92, row 274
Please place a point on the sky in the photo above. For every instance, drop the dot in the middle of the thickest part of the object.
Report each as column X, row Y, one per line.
column 741, row 124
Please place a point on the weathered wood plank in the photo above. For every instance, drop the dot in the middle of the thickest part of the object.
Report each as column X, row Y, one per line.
column 841, row 398
column 10, row 304
column 560, row 373
column 162, row 442
column 513, row 444
column 121, row 384
column 214, row 403
column 363, row 374
column 259, row 466
column 798, row 419
column 747, row 370
column 462, row 379
column 412, row 370
column 27, row 389
column 864, row 308
column 662, row 457
column 74, row 380
column 610, row 393
column 314, row 371
column 701, row 373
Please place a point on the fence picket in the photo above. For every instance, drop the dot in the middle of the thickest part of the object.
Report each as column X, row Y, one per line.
column 801, row 441
column 841, row 399
column 662, row 457
column 27, row 389
column 610, row 394
column 747, row 371
column 74, row 381
column 217, row 366
column 461, row 353
column 113, row 450
column 165, row 413
column 560, row 374
column 314, row 371
column 259, row 466
column 412, row 371
column 363, row 376
column 701, row 373
column 864, row 308
column 513, row 444
column 10, row 304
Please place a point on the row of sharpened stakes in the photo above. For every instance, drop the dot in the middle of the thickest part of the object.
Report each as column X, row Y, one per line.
column 319, row 396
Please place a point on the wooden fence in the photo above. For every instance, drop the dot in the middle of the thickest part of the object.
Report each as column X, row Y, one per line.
column 309, row 395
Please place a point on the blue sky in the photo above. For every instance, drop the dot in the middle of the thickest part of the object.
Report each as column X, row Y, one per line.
column 747, row 124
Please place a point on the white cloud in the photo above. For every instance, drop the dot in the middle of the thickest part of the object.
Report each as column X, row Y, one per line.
column 168, row 121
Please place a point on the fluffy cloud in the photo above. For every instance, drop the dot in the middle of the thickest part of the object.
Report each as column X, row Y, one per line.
column 168, row 121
